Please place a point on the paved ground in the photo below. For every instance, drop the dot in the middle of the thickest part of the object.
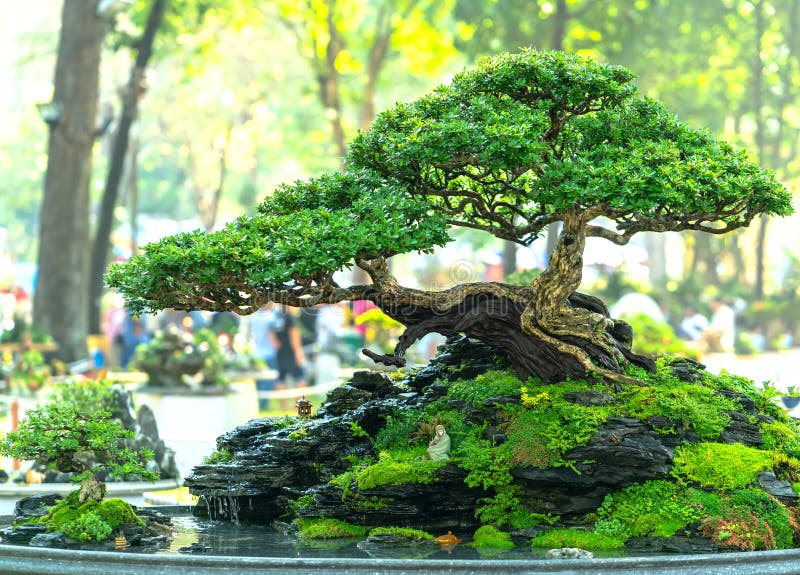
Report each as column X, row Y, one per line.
column 782, row 369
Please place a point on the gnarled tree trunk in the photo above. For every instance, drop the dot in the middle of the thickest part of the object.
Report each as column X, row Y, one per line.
column 548, row 329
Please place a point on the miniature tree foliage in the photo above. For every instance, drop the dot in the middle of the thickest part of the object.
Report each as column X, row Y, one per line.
column 69, row 439
column 510, row 147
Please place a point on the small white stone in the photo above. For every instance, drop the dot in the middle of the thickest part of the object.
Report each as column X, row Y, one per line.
column 569, row 553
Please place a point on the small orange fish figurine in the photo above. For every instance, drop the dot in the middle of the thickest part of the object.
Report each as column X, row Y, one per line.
column 448, row 539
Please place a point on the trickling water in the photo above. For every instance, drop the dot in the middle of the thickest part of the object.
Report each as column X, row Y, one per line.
column 224, row 507
column 233, row 509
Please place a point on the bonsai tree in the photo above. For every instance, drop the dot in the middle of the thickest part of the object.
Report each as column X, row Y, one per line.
column 518, row 143
column 62, row 435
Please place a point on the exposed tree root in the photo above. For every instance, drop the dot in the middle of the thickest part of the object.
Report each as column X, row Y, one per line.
column 498, row 321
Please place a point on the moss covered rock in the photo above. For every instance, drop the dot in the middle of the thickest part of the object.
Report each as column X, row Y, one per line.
column 687, row 454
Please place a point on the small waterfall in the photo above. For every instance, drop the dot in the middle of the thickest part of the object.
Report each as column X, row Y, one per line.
column 233, row 508
column 224, row 506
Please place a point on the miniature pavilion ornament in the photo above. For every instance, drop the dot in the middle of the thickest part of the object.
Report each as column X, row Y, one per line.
column 303, row 407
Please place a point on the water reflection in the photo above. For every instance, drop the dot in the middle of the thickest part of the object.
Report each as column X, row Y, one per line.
column 223, row 538
column 227, row 539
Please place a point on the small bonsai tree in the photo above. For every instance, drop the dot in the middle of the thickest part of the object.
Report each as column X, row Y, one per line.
column 63, row 436
column 519, row 143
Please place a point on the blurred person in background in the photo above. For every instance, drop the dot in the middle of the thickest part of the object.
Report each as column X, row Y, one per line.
column 721, row 331
column 289, row 356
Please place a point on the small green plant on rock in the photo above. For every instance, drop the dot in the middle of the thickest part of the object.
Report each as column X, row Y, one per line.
column 356, row 430
column 218, row 456
column 403, row 533
column 61, row 435
column 491, row 536
column 327, row 528
column 580, row 538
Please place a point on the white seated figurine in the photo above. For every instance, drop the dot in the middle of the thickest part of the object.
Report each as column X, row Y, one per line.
column 439, row 446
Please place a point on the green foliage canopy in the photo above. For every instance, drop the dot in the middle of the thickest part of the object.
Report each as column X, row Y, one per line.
column 517, row 143
column 299, row 238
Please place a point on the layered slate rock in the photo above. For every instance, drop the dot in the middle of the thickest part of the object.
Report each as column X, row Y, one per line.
column 446, row 502
column 275, row 462
column 278, row 460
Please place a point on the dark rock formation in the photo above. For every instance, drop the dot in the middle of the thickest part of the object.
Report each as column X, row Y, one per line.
column 21, row 533
column 778, row 488
column 622, row 452
column 445, row 503
column 55, row 540
column 34, row 506
column 277, row 460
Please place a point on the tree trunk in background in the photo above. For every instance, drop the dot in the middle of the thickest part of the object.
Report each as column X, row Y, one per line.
column 509, row 259
column 132, row 189
column 119, row 151
column 657, row 260
column 760, row 136
column 60, row 303
column 560, row 21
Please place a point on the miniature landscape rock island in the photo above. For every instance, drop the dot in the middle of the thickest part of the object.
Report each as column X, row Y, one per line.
column 558, row 431
column 687, row 462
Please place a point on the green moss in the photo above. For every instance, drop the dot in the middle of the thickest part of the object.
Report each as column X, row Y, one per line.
column 744, row 519
column 91, row 520
column 219, row 456
column 300, row 433
column 720, row 465
column 505, row 509
column 488, row 467
column 548, row 426
column 117, row 511
column 656, row 508
column 390, row 471
column 582, row 539
column 696, row 406
column 491, row 536
column 750, row 519
column 87, row 526
column 403, row 533
column 782, row 436
column 485, row 386
column 398, row 429
column 328, row 529
column 363, row 503
column 763, row 395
